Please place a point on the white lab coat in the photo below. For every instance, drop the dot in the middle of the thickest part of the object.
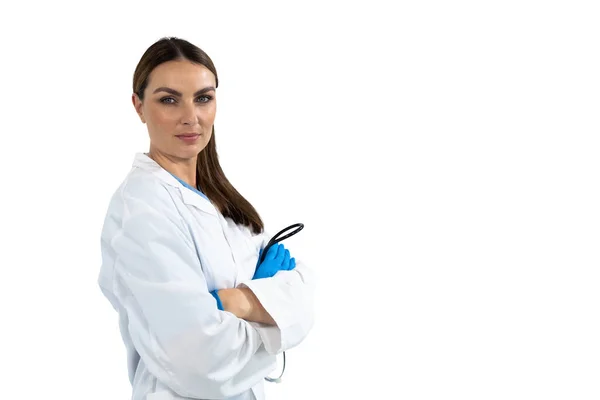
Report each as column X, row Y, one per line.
column 164, row 248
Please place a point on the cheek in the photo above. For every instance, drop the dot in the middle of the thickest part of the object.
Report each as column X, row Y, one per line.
column 209, row 115
column 159, row 118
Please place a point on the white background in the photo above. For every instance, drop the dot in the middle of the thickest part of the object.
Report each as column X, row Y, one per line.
column 444, row 157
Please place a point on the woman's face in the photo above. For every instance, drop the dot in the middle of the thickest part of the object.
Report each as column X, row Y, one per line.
column 179, row 109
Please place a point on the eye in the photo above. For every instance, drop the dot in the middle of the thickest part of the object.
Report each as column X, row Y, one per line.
column 166, row 100
column 204, row 99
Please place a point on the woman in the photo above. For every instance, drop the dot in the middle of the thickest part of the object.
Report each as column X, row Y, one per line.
column 200, row 318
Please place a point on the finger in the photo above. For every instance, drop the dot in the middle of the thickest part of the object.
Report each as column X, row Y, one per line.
column 285, row 265
column 272, row 253
column 292, row 264
column 280, row 250
column 281, row 254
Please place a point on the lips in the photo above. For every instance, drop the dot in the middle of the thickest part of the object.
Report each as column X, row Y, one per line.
column 189, row 138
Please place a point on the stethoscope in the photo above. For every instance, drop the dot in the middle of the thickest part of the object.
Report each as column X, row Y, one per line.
column 276, row 239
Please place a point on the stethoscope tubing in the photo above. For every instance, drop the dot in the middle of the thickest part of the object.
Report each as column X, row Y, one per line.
column 276, row 239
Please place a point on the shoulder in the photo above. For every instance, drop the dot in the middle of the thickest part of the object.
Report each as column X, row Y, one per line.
column 141, row 193
column 144, row 189
column 144, row 209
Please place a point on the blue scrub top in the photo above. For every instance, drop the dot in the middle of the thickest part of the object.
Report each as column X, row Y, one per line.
column 190, row 187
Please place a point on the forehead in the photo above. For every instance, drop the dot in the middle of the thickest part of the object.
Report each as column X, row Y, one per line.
column 183, row 76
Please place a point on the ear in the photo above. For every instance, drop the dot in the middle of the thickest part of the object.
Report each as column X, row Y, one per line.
column 137, row 104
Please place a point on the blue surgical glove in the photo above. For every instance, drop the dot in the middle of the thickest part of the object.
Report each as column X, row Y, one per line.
column 218, row 299
column 277, row 259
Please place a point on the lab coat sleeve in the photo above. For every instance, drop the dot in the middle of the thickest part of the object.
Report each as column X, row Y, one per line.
column 288, row 297
column 182, row 337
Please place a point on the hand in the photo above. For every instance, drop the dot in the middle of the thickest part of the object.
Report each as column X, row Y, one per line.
column 215, row 294
column 277, row 259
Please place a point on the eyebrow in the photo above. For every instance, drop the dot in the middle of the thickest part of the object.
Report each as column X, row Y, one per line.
column 176, row 93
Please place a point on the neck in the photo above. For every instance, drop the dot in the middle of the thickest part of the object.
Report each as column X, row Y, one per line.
column 184, row 169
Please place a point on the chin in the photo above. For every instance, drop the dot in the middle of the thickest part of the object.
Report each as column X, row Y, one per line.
column 190, row 151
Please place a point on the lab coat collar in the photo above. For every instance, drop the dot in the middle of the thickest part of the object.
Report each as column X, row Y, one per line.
column 189, row 197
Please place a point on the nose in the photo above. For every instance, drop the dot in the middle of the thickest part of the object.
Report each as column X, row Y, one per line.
column 188, row 114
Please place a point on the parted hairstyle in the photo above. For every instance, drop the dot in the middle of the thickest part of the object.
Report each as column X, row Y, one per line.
column 210, row 177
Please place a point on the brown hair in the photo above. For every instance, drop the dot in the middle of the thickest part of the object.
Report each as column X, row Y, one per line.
column 209, row 174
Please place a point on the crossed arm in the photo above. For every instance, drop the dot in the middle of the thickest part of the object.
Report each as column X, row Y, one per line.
column 244, row 304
